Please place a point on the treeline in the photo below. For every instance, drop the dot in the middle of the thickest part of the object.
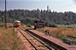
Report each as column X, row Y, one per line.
column 28, row 16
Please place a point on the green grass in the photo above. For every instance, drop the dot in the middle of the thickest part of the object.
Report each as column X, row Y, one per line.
column 72, row 25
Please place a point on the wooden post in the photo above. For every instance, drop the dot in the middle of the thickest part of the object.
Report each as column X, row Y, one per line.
column 5, row 16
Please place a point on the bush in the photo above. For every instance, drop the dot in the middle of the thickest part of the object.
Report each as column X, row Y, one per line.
column 1, row 25
column 28, row 25
column 48, row 24
column 52, row 25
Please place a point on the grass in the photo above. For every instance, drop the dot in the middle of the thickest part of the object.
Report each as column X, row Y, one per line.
column 9, row 39
column 71, row 25
column 60, row 32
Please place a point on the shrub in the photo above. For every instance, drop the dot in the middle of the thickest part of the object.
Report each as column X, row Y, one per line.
column 28, row 25
column 1, row 25
column 52, row 25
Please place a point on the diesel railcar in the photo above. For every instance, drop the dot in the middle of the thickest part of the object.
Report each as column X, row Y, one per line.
column 17, row 23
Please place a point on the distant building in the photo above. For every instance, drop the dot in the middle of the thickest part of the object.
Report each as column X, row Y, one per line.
column 48, row 9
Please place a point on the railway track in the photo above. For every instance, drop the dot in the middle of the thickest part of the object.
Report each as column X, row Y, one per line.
column 36, row 43
column 49, row 43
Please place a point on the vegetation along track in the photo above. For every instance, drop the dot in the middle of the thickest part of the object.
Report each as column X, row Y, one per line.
column 34, row 41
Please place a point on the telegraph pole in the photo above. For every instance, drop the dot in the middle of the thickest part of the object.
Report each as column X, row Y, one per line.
column 5, row 17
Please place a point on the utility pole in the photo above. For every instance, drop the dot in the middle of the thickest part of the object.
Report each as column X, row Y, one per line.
column 5, row 17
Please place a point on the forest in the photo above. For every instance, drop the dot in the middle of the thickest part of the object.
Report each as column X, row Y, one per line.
column 50, row 17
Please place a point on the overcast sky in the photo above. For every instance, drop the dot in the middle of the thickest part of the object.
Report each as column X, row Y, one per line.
column 54, row 5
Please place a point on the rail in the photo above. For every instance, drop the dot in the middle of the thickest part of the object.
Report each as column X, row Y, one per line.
column 35, row 39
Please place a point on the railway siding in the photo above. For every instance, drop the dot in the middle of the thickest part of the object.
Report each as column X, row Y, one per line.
column 54, row 41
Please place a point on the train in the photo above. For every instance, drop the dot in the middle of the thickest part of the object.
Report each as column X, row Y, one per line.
column 38, row 24
column 17, row 23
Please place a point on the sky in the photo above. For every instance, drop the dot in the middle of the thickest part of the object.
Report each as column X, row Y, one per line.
column 54, row 5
